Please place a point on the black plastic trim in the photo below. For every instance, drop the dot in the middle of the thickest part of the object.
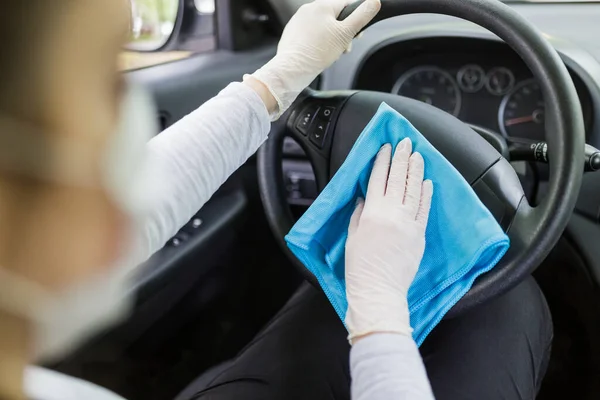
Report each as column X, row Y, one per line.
column 218, row 215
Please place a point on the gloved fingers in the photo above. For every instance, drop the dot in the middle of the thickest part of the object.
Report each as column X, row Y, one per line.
column 396, row 186
column 412, row 197
column 362, row 15
column 355, row 219
column 425, row 204
column 381, row 170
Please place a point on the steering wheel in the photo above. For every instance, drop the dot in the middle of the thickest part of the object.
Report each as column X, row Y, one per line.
column 326, row 125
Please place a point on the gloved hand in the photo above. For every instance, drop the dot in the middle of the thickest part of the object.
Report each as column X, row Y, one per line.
column 312, row 41
column 386, row 241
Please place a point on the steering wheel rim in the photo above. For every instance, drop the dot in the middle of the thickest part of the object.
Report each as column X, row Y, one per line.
column 533, row 230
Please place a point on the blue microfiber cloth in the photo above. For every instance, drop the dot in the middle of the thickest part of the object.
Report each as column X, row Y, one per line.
column 463, row 238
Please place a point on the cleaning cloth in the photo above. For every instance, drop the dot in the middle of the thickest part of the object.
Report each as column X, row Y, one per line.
column 463, row 240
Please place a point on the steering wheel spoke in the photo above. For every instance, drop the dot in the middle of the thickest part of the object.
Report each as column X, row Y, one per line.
column 501, row 191
column 311, row 123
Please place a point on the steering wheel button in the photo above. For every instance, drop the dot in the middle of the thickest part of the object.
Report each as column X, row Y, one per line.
column 305, row 120
column 326, row 113
column 318, row 133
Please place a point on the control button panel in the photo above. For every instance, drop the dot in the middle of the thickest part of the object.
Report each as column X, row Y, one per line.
column 193, row 226
column 306, row 119
column 314, row 121
column 325, row 113
column 179, row 239
column 187, row 232
column 318, row 132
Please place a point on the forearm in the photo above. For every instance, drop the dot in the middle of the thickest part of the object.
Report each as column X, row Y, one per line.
column 195, row 156
column 388, row 366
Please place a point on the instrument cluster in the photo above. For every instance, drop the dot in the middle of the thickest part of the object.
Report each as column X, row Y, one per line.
column 480, row 82
column 521, row 104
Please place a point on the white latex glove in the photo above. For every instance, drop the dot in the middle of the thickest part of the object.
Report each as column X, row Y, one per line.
column 312, row 41
column 386, row 241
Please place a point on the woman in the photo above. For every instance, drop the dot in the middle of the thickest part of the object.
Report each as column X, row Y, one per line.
column 73, row 199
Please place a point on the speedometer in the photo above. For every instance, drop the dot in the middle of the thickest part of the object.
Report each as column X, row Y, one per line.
column 430, row 85
column 522, row 112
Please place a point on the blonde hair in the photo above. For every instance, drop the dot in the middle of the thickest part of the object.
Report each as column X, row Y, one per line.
column 24, row 29
column 24, row 25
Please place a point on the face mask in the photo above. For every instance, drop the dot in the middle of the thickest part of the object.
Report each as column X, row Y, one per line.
column 61, row 321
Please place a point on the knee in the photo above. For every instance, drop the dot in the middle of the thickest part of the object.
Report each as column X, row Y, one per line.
column 529, row 328
column 531, row 312
column 497, row 350
column 519, row 316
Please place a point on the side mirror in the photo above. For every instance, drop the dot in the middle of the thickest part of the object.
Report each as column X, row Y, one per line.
column 167, row 25
column 152, row 23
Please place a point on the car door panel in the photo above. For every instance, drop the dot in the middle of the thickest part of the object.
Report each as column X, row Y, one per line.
column 178, row 89
column 182, row 86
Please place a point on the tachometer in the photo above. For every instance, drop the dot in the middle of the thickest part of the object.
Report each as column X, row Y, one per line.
column 430, row 85
column 522, row 112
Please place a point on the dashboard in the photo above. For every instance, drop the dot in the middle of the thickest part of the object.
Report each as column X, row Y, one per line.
column 480, row 82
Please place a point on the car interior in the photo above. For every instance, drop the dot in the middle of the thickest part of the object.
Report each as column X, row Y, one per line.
column 510, row 98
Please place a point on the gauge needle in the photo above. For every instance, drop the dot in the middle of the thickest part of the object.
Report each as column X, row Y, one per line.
column 520, row 120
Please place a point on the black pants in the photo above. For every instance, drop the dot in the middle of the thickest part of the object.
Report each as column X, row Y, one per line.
column 497, row 351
